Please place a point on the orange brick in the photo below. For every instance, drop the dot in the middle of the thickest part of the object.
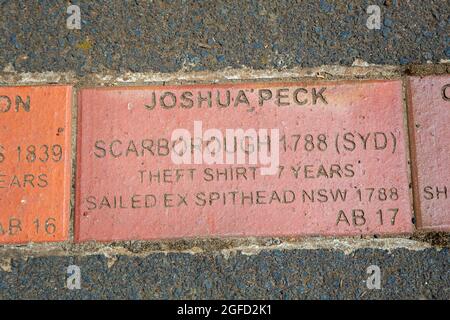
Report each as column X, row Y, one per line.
column 343, row 167
column 35, row 140
column 430, row 126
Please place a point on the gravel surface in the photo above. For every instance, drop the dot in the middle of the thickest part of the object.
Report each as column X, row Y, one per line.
column 166, row 36
column 291, row 274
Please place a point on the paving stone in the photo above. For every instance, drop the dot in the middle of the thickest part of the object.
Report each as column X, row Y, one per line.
column 430, row 124
column 341, row 170
column 35, row 158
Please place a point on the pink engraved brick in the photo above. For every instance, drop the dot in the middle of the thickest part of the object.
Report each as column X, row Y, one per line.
column 430, row 125
column 342, row 166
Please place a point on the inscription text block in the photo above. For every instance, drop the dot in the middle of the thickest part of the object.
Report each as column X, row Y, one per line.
column 35, row 171
column 342, row 166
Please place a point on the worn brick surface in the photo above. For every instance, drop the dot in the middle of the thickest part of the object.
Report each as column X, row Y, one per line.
column 35, row 161
column 341, row 148
column 430, row 104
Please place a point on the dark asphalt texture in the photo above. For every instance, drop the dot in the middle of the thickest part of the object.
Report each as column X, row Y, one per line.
column 292, row 274
column 168, row 36
column 164, row 36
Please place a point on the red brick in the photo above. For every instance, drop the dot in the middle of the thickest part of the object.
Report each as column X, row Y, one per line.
column 371, row 109
column 35, row 170
column 430, row 127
